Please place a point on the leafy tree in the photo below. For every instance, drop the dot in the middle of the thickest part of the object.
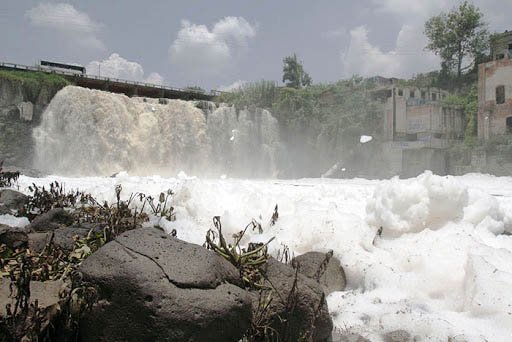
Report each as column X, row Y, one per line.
column 457, row 35
column 294, row 73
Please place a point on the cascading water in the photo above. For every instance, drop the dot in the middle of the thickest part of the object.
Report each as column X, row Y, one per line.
column 92, row 132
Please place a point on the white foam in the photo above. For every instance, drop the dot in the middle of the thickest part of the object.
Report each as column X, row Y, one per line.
column 440, row 269
column 14, row 221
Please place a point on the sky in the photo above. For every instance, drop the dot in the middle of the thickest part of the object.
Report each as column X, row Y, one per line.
column 222, row 44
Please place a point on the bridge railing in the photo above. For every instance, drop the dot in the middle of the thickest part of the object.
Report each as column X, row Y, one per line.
column 102, row 78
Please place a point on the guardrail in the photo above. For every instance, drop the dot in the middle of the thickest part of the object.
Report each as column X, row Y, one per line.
column 93, row 77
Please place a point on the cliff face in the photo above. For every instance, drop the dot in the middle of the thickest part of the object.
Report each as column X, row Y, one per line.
column 23, row 99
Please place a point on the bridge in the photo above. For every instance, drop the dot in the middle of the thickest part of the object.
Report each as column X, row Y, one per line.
column 115, row 85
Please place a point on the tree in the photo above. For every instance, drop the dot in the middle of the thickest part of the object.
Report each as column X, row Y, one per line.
column 457, row 35
column 293, row 72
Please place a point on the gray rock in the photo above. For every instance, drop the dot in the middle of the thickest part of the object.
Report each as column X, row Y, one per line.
column 153, row 287
column 51, row 220
column 62, row 237
column 328, row 267
column 13, row 237
column 11, row 200
column 308, row 311
column 398, row 336
column 46, row 293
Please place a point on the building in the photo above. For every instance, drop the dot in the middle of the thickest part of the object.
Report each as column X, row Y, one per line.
column 495, row 89
column 418, row 127
column 501, row 46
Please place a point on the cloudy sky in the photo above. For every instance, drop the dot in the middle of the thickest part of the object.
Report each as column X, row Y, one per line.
column 215, row 44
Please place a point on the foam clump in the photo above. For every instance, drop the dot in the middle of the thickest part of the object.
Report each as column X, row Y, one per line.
column 487, row 290
column 412, row 205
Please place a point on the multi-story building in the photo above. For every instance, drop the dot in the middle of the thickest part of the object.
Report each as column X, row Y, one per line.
column 418, row 126
column 495, row 89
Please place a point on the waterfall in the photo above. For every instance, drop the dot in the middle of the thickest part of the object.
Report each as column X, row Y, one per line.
column 87, row 132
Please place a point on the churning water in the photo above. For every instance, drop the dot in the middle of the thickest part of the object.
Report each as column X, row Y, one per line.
column 92, row 132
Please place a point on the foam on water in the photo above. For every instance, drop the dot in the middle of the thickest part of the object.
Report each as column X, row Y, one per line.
column 440, row 269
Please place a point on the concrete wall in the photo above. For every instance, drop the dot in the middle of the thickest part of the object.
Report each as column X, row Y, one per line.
column 498, row 162
column 416, row 161
column 492, row 116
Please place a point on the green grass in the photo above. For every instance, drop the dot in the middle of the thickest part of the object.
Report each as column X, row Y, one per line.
column 34, row 79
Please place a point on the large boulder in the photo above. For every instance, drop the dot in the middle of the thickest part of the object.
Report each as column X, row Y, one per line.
column 13, row 237
column 153, row 287
column 297, row 307
column 11, row 200
column 53, row 219
column 325, row 268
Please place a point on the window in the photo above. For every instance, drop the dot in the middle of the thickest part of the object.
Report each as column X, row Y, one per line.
column 400, row 92
column 412, row 137
column 500, row 94
column 434, row 97
column 509, row 125
column 423, row 95
column 388, row 93
column 411, row 94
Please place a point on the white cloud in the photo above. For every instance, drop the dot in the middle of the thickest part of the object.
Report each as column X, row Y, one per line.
column 406, row 58
column 117, row 67
column 198, row 49
column 336, row 33
column 68, row 21
column 409, row 56
column 155, row 78
column 233, row 86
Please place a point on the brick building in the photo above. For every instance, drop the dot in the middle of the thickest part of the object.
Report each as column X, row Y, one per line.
column 495, row 89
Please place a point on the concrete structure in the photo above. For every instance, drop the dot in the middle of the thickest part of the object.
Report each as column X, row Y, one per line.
column 418, row 127
column 495, row 98
column 501, row 46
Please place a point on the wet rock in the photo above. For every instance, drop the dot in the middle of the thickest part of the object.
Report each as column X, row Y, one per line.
column 13, row 237
column 51, row 220
column 303, row 308
column 11, row 200
column 154, row 287
column 325, row 268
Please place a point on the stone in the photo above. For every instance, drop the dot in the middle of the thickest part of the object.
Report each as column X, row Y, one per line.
column 332, row 276
column 13, row 237
column 62, row 237
column 154, row 287
column 310, row 308
column 11, row 200
column 51, row 220
column 46, row 293
column 398, row 336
